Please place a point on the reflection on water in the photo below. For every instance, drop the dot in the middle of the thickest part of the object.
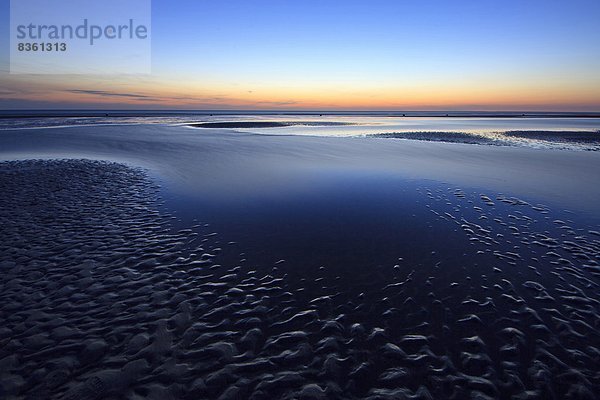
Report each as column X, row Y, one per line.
column 475, row 128
column 344, row 263
column 493, row 283
column 370, row 125
column 356, row 220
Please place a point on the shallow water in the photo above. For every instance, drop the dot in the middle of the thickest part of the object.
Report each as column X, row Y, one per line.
column 295, row 267
column 224, row 166
column 405, row 288
column 481, row 128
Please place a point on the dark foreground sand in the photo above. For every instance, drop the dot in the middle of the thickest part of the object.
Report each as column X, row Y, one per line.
column 101, row 298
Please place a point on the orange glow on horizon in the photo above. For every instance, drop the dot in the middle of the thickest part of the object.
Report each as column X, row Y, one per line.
column 174, row 94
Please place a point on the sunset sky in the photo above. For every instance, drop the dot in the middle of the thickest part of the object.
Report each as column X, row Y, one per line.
column 350, row 55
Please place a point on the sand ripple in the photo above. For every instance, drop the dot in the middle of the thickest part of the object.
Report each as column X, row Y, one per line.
column 101, row 298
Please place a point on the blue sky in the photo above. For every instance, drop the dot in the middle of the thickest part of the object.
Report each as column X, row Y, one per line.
column 346, row 55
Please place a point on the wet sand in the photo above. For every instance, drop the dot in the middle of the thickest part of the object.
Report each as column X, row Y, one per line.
column 277, row 267
column 559, row 136
column 263, row 124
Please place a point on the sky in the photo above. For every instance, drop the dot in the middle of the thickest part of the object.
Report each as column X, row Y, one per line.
column 350, row 55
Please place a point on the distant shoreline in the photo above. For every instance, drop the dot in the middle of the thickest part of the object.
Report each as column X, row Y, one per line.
column 5, row 114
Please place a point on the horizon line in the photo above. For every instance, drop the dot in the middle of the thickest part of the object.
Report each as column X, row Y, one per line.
column 313, row 110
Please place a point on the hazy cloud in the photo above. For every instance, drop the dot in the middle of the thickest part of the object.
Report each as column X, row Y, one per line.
column 105, row 93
